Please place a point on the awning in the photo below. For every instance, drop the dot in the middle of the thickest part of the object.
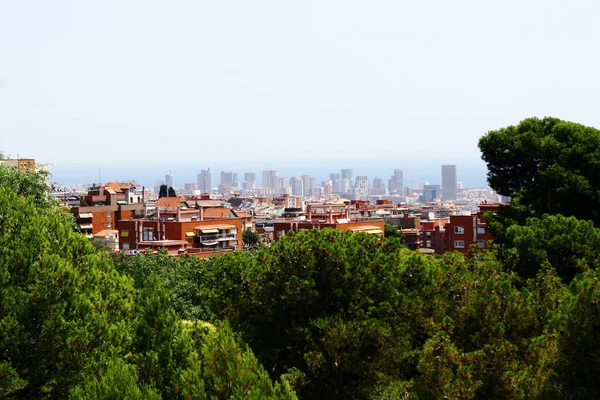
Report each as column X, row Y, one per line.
column 209, row 230
column 121, row 202
column 86, row 226
column 86, row 215
column 374, row 231
column 210, row 243
column 189, row 234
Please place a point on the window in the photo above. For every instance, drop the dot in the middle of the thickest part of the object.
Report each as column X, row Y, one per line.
column 428, row 243
column 148, row 234
column 109, row 214
column 481, row 244
column 109, row 225
column 480, row 231
column 459, row 244
column 460, row 230
column 428, row 233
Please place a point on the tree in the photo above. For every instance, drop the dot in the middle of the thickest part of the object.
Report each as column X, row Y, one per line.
column 172, row 192
column 391, row 231
column 63, row 307
column 569, row 245
column 547, row 166
column 331, row 304
column 250, row 239
column 28, row 183
column 163, row 191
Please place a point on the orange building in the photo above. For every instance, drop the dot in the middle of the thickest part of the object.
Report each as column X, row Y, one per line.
column 203, row 238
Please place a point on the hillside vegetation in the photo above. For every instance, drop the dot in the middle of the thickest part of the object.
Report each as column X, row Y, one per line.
column 319, row 314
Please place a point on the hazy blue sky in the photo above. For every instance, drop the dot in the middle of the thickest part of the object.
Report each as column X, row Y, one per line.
column 203, row 82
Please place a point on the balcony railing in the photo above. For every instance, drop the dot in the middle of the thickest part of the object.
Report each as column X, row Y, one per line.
column 207, row 238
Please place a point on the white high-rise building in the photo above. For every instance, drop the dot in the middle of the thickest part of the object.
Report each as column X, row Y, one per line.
column 361, row 187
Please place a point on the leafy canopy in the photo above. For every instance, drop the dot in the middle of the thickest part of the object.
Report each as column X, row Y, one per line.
column 547, row 166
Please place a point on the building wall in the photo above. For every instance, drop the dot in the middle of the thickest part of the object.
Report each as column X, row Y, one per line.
column 283, row 227
column 170, row 230
column 474, row 231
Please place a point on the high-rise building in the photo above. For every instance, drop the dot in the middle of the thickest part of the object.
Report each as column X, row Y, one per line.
column 169, row 180
column 345, row 185
column 327, row 187
column 204, row 181
column 378, row 187
column 306, row 184
column 297, row 186
column 361, row 186
column 227, row 178
column 449, row 182
column 249, row 180
column 336, row 182
column 347, row 174
column 396, row 182
column 430, row 193
column 270, row 179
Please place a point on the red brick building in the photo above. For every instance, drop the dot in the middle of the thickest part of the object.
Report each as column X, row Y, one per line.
column 465, row 230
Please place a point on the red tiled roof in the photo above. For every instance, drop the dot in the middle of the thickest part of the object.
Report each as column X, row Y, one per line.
column 170, row 202
column 216, row 212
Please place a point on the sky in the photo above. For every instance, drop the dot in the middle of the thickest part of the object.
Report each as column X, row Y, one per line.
column 197, row 82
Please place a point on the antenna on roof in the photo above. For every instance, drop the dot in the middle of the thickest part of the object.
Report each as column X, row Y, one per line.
column 99, row 180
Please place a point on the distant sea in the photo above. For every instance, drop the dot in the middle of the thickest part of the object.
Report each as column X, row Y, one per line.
column 472, row 172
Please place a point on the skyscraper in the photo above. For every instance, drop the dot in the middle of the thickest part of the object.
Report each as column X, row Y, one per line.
column 336, row 182
column 169, row 180
column 347, row 174
column 249, row 180
column 396, row 182
column 306, row 185
column 204, row 181
column 297, row 186
column 361, row 186
column 270, row 179
column 448, row 182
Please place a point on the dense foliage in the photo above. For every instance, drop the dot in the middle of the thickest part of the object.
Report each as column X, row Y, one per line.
column 321, row 314
column 547, row 166
column 71, row 324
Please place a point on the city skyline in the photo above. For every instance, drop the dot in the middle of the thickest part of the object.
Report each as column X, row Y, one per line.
column 409, row 176
column 285, row 81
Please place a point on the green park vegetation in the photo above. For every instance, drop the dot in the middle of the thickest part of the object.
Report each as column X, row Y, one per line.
column 319, row 314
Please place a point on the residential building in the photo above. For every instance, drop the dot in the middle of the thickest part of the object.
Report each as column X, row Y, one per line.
column 104, row 206
column 281, row 228
column 465, row 230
